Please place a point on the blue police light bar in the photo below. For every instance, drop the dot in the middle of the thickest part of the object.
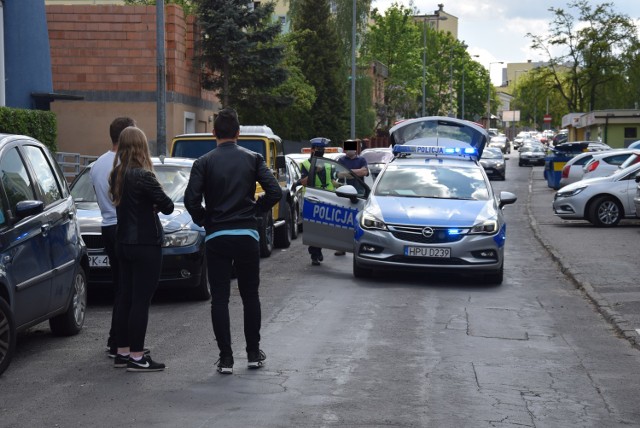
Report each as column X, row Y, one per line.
column 434, row 150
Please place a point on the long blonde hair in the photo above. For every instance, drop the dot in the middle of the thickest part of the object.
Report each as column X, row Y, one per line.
column 133, row 152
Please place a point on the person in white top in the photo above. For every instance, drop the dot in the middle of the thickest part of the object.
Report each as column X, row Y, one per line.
column 100, row 171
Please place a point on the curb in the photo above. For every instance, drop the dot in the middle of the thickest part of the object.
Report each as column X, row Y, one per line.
column 621, row 325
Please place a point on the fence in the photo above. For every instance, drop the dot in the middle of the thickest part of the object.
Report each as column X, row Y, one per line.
column 73, row 163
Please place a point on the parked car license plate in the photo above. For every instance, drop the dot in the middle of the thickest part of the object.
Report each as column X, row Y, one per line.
column 436, row 252
column 99, row 261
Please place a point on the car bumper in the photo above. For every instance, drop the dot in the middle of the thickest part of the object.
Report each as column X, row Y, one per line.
column 495, row 172
column 382, row 250
column 182, row 267
column 568, row 208
column 531, row 161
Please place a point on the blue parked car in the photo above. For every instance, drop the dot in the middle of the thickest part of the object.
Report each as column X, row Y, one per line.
column 43, row 259
column 183, row 261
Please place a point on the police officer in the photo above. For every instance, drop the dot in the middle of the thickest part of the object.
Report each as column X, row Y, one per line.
column 323, row 179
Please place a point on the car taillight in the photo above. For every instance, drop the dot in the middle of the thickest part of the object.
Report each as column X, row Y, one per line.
column 592, row 166
column 565, row 171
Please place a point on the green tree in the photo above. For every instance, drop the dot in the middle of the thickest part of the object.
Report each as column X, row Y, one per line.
column 316, row 45
column 237, row 51
column 289, row 121
column 395, row 40
column 591, row 44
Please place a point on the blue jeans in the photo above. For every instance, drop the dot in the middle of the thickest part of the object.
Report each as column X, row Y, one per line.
column 223, row 254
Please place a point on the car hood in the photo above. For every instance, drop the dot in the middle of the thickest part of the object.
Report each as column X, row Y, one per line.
column 586, row 182
column 90, row 219
column 430, row 211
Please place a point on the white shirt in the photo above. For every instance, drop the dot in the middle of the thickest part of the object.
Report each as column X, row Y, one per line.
column 99, row 173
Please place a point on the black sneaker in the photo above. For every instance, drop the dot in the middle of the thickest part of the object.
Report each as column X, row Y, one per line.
column 120, row 361
column 146, row 364
column 112, row 352
column 320, row 257
column 256, row 359
column 225, row 365
column 339, row 253
column 315, row 261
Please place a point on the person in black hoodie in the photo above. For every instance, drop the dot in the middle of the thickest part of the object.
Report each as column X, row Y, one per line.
column 226, row 179
column 138, row 197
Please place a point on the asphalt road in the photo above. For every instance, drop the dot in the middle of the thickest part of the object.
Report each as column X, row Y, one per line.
column 394, row 351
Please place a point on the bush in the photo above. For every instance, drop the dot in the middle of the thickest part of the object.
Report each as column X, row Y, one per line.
column 38, row 124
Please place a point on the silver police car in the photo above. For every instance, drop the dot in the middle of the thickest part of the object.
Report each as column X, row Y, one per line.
column 431, row 209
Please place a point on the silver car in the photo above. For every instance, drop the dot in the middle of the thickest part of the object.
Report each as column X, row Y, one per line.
column 572, row 171
column 494, row 163
column 603, row 201
column 532, row 155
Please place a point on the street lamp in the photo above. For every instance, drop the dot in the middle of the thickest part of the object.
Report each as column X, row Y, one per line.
column 489, row 94
column 436, row 18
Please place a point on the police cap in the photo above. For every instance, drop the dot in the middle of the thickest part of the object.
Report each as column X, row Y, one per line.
column 320, row 142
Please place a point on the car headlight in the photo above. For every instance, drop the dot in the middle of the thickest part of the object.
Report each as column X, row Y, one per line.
column 487, row 227
column 368, row 221
column 181, row 238
column 569, row 193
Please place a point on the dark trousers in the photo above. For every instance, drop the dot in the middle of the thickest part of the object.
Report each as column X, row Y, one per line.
column 140, row 267
column 109, row 238
column 243, row 252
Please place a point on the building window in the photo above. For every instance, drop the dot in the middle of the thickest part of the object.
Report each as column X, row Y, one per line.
column 630, row 132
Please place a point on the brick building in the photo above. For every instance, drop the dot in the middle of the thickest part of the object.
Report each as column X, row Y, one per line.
column 106, row 54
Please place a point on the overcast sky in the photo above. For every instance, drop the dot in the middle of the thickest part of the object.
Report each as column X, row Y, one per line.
column 496, row 29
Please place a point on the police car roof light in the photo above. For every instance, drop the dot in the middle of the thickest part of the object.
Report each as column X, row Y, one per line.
column 405, row 150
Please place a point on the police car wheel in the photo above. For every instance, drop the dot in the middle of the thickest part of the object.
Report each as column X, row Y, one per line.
column 295, row 219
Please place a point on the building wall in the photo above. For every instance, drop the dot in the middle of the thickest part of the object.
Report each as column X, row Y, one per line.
column 107, row 55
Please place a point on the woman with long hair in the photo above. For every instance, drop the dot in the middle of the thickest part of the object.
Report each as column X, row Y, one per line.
column 138, row 197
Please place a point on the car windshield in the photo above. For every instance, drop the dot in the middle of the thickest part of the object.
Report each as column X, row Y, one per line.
column 429, row 181
column 173, row 179
column 377, row 156
column 492, row 154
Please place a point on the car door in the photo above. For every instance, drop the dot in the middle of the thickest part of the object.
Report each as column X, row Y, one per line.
column 24, row 244
column 60, row 213
column 329, row 220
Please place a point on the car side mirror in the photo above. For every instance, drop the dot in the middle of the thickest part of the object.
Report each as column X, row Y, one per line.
column 280, row 162
column 507, row 198
column 28, row 208
column 349, row 192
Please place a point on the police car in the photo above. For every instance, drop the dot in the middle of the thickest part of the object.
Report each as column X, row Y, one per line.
column 432, row 208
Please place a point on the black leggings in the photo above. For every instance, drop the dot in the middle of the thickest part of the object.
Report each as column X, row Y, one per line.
column 140, row 267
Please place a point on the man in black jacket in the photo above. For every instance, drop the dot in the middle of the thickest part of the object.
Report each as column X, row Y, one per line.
column 226, row 179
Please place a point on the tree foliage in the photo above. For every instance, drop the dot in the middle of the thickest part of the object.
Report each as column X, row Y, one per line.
column 238, row 54
column 593, row 43
column 316, row 44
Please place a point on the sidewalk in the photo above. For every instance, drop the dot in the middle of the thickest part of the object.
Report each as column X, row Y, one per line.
column 600, row 261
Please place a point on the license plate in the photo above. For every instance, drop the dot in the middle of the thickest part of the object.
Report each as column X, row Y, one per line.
column 99, row 261
column 434, row 252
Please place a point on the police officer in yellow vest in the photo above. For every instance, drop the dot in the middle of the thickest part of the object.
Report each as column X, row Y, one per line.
column 323, row 179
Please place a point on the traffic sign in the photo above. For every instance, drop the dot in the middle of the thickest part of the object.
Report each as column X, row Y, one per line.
column 547, row 118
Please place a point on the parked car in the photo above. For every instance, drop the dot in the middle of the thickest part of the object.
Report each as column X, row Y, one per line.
column 572, row 171
column 43, row 256
column 603, row 201
column 634, row 145
column 183, row 261
column 501, row 142
column 585, row 146
column 636, row 198
column 605, row 163
column 431, row 209
column 494, row 163
column 532, row 155
column 296, row 196
column 633, row 158
column 377, row 159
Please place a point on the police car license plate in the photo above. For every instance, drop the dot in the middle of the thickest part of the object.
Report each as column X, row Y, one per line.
column 434, row 252
column 99, row 261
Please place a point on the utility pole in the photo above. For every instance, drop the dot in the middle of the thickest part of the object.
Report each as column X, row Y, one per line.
column 161, row 94
column 353, row 74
